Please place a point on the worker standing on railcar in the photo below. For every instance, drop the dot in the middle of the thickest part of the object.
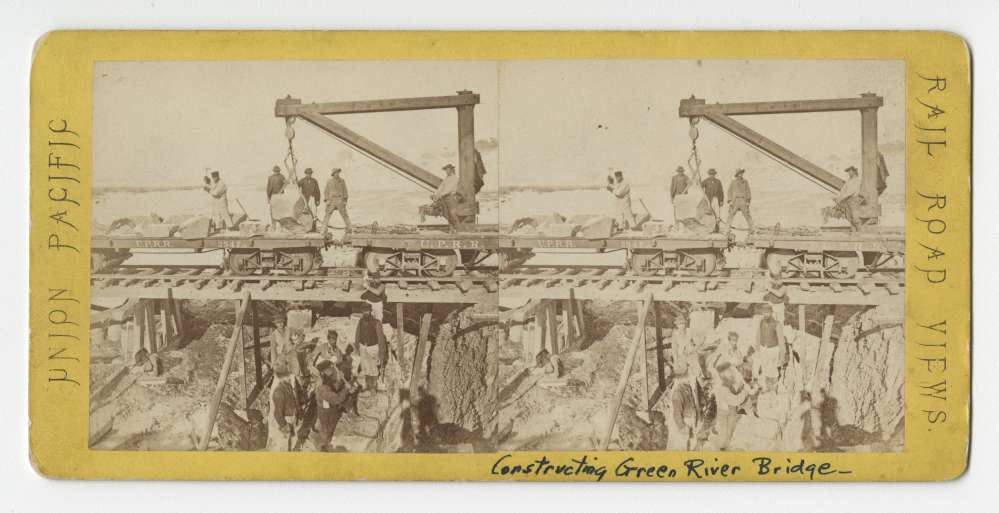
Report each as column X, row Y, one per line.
column 310, row 191
column 679, row 184
column 621, row 190
column 218, row 191
column 275, row 185
column 714, row 191
column 446, row 195
column 848, row 199
column 336, row 201
column 739, row 199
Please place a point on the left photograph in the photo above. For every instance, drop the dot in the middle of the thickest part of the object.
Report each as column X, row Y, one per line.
column 294, row 256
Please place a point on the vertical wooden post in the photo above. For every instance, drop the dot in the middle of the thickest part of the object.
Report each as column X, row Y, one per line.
column 230, row 352
column 569, row 316
column 166, row 322
column 178, row 318
column 399, row 339
column 140, row 325
column 258, row 363
column 150, row 321
column 540, row 327
column 643, row 355
column 244, row 392
column 660, row 350
column 419, row 353
column 552, row 315
column 820, row 376
column 622, row 383
column 577, row 307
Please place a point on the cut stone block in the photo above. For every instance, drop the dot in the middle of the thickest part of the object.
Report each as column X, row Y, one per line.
column 558, row 230
column 158, row 230
column 194, row 228
column 600, row 227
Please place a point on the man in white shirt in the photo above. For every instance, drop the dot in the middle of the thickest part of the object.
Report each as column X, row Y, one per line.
column 849, row 199
column 218, row 191
column 622, row 193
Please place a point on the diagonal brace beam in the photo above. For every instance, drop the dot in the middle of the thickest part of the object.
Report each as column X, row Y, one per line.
column 371, row 148
column 827, row 180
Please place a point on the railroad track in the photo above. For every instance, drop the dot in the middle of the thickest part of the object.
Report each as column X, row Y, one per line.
column 615, row 281
column 206, row 277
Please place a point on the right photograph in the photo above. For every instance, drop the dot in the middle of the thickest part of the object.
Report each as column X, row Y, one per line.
column 701, row 255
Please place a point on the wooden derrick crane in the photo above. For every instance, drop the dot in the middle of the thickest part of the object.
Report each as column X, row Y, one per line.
column 318, row 115
column 722, row 115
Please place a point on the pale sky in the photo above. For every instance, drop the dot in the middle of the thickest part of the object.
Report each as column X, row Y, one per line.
column 567, row 122
column 557, row 122
column 161, row 123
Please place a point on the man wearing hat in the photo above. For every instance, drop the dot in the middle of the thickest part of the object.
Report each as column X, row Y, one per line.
column 310, row 191
column 679, row 184
column 621, row 189
column 331, row 398
column 739, row 198
column 714, row 191
column 770, row 349
column 218, row 191
column 283, row 409
column 336, row 201
column 848, row 199
column 275, row 185
column 445, row 197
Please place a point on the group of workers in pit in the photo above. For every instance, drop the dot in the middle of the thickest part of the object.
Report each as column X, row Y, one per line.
column 717, row 384
column 316, row 382
column 847, row 200
column 444, row 198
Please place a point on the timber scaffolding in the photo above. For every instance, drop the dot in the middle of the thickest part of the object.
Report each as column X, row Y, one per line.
column 328, row 284
column 741, row 286
column 153, row 325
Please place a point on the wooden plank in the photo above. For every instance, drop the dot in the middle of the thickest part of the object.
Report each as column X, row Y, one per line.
column 399, row 333
column 291, row 108
column 552, row 316
column 213, row 408
column 258, row 362
column 836, row 287
column 402, row 284
column 434, row 285
column 419, row 353
column 657, row 319
column 622, row 383
column 569, row 318
column 369, row 147
column 698, row 107
column 577, row 308
column 463, row 285
column 165, row 323
column 643, row 357
column 178, row 318
column 825, row 179
column 150, row 327
column 820, row 374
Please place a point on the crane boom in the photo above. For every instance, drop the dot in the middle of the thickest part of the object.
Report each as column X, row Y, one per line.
column 720, row 114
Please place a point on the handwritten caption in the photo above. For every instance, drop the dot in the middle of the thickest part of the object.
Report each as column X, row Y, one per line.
column 593, row 467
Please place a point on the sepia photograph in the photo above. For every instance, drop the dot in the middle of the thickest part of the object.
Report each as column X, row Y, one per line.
column 702, row 255
column 294, row 256
column 498, row 255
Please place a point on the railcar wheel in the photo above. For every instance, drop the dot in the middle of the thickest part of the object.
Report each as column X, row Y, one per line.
column 776, row 261
column 373, row 261
column 707, row 262
column 242, row 263
column 303, row 262
column 446, row 263
column 841, row 264
column 642, row 263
